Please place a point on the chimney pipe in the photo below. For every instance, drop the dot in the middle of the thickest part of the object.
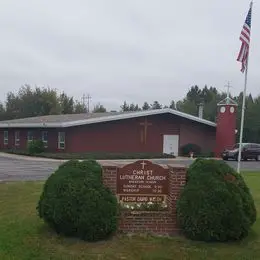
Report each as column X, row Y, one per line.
column 201, row 107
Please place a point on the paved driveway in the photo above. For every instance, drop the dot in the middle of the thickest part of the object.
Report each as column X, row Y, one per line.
column 15, row 168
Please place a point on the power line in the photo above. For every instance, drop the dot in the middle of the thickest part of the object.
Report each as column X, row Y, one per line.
column 88, row 98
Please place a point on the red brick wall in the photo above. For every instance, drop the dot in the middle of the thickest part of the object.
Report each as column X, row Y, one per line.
column 160, row 223
column 226, row 135
column 52, row 138
column 122, row 136
column 125, row 135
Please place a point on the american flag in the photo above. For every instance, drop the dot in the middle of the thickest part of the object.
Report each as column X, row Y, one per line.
column 245, row 39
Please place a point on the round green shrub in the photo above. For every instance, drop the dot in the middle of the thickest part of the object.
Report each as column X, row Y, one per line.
column 35, row 147
column 75, row 203
column 215, row 204
column 187, row 148
column 91, row 167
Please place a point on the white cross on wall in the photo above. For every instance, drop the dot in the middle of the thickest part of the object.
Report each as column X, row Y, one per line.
column 143, row 164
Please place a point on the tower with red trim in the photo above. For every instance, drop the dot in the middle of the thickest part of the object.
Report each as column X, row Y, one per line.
column 226, row 125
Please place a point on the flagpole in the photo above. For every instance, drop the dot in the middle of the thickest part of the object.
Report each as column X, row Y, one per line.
column 242, row 120
column 243, row 110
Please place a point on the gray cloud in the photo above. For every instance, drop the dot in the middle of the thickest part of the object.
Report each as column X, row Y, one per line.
column 125, row 50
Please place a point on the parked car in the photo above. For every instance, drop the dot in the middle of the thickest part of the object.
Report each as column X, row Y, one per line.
column 249, row 151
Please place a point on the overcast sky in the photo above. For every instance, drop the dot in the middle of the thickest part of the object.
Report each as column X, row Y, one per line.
column 135, row 50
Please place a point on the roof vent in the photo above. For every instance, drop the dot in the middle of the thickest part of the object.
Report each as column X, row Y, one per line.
column 201, row 108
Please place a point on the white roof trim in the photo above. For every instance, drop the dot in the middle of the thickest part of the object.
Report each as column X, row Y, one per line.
column 107, row 119
column 227, row 101
column 30, row 125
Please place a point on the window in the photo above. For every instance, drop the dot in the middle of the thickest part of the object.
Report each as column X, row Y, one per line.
column 61, row 140
column 5, row 137
column 255, row 146
column 29, row 136
column 45, row 138
column 17, row 138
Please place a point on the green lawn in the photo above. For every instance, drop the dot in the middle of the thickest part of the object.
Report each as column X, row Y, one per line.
column 24, row 236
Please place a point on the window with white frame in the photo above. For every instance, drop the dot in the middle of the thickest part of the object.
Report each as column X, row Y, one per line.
column 45, row 138
column 5, row 137
column 17, row 138
column 61, row 140
column 30, row 136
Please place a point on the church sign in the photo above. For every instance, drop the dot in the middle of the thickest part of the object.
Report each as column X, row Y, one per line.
column 142, row 182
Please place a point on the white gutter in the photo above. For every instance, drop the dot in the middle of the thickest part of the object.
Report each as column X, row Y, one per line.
column 30, row 125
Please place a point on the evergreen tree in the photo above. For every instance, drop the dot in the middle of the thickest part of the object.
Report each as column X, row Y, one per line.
column 125, row 107
column 172, row 105
column 66, row 103
column 79, row 108
column 156, row 105
column 145, row 106
column 99, row 109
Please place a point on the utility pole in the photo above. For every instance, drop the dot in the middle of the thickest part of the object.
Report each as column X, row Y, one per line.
column 88, row 98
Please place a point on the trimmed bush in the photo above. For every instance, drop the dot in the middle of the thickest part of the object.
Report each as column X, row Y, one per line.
column 75, row 203
column 187, row 148
column 93, row 169
column 215, row 204
column 35, row 147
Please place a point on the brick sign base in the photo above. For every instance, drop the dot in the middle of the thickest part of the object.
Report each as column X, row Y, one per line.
column 153, row 222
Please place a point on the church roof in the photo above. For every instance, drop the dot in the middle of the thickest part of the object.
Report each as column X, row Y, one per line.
column 70, row 120
column 227, row 101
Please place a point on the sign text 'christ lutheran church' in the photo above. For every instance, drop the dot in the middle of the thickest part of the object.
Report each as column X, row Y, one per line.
column 142, row 181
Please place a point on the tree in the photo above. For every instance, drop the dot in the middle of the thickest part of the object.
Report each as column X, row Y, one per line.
column 12, row 106
column 79, row 108
column 129, row 107
column 252, row 120
column 2, row 112
column 99, row 109
column 186, row 106
column 30, row 102
column 134, row 107
column 125, row 107
column 172, row 105
column 195, row 96
column 48, row 101
column 191, row 102
column 156, row 105
column 145, row 106
column 66, row 104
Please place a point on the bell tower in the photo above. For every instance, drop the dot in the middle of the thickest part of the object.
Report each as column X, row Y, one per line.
column 226, row 124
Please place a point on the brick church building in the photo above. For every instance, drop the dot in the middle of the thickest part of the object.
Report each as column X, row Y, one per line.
column 150, row 131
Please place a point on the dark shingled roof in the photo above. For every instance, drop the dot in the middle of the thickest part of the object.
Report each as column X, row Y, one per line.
column 92, row 118
column 60, row 118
